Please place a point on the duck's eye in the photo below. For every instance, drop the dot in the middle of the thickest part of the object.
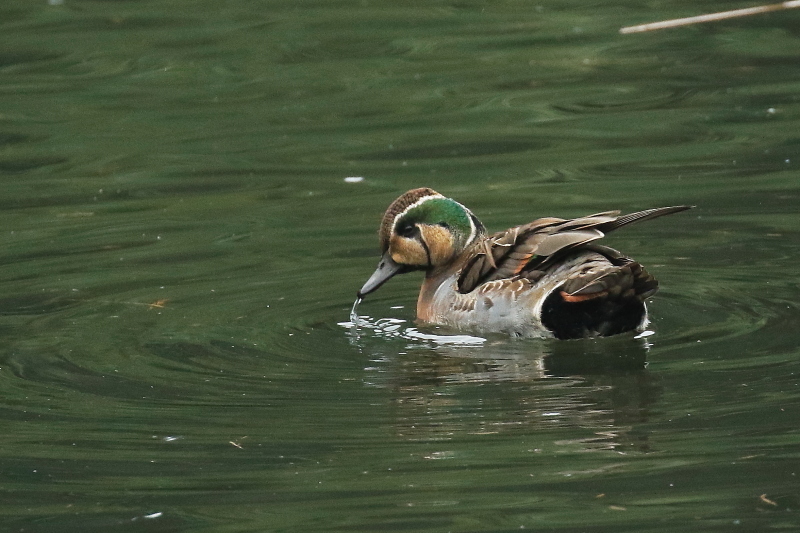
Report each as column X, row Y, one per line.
column 407, row 229
column 444, row 224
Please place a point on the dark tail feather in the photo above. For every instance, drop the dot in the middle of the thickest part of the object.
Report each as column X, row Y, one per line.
column 639, row 216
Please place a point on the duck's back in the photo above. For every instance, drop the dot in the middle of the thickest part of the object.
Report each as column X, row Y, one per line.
column 591, row 291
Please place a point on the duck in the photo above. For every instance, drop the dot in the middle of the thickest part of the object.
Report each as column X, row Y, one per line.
column 545, row 279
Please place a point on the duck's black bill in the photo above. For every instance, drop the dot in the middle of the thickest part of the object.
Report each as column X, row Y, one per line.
column 386, row 269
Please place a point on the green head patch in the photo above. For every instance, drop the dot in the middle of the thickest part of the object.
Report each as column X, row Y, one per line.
column 443, row 212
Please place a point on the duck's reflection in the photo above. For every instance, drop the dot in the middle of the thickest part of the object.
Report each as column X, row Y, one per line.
column 594, row 393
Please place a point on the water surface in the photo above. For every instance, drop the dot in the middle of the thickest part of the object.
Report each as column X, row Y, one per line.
column 179, row 248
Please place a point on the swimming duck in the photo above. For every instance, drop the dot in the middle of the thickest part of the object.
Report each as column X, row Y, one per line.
column 548, row 278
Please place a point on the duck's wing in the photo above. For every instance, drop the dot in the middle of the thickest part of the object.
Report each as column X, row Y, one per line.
column 523, row 250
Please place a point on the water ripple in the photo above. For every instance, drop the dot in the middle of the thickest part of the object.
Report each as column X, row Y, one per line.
column 393, row 328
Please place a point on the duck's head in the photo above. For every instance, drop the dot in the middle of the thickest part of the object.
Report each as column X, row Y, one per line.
column 422, row 230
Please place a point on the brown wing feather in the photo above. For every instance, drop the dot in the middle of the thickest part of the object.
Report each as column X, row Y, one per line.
column 517, row 251
column 641, row 216
column 567, row 238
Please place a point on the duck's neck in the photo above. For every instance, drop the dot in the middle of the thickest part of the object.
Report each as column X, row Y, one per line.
column 434, row 279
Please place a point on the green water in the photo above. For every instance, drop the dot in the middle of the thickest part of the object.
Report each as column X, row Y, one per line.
column 179, row 253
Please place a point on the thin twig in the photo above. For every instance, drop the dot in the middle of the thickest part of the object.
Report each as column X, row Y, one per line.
column 674, row 23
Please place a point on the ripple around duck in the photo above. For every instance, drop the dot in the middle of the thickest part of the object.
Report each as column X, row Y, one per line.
column 722, row 320
column 499, row 356
column 394, row 328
